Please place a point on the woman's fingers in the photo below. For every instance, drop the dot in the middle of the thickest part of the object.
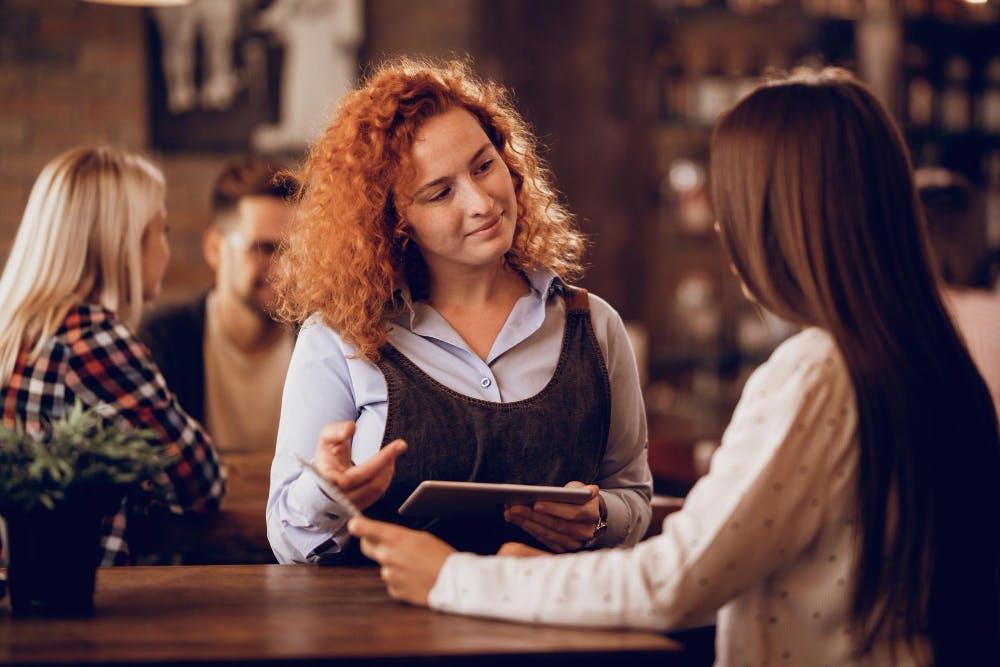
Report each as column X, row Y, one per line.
column 362, row 526
column 336, row 431
column 372, row 534
column 588, row 511
column 383, row 461
column 410, row 560
column 577, row 530
column 553, row 539
column 519, row 550
column 560, row 526
column 366, row 482
column 333, row 448
column 558, row 542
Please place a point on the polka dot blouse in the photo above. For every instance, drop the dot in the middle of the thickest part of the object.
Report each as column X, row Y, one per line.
column 763, row 547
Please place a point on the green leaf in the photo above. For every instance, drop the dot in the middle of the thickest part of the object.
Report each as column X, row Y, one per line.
column 80, row 450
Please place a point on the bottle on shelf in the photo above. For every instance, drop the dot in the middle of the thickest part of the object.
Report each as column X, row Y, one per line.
column 670, row 85
column 698, row 311
column 955, row 107
column 686, row 198
column 988, row 114
column 919, row 91
column 711, row 92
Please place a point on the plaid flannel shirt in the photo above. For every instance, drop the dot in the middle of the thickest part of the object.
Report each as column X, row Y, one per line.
column 97, row 359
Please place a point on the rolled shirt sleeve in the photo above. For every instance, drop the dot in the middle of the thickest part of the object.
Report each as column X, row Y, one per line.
column 625, row 478
column 302, row 523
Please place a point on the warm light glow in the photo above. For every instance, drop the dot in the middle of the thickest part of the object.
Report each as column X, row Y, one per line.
column 140, row 3
column 976, row 2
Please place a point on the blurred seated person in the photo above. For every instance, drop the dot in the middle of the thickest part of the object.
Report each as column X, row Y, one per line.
column 956, row 222
column 221, row 351
column 90, row 250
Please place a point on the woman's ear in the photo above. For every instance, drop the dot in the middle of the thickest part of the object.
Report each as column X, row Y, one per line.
column 743, row 286
column 211, row 246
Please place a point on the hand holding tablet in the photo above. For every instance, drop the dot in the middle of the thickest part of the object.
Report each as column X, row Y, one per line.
column 434, row 498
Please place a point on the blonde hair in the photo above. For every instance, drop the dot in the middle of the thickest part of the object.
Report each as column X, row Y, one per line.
column 80, row 241
column 348, row 252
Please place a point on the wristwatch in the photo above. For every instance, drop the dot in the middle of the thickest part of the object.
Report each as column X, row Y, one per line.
column 600, row 526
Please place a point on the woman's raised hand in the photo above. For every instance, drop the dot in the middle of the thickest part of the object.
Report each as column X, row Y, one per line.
column 363, row 483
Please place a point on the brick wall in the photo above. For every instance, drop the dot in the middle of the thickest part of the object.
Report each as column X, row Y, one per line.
column 73, row 72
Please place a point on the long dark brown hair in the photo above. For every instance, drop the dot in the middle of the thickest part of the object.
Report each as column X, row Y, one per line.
column 813, row 190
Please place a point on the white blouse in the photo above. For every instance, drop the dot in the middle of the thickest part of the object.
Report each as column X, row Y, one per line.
column 765, row 540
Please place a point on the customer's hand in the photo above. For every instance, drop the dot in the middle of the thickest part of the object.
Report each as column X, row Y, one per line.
column 559, row 526
column 518, row 550
column 411, row 560
column 363, row 483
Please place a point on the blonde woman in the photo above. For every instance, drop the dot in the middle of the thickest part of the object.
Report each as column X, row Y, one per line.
column 91, row 248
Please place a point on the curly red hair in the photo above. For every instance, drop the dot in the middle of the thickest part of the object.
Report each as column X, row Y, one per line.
column 347, row 254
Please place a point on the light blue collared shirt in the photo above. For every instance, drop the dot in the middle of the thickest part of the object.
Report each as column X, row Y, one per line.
column 324, row 384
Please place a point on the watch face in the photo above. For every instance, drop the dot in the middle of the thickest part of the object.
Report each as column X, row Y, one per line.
column 601, row 526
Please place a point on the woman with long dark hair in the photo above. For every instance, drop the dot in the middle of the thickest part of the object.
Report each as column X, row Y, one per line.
column 850, row 515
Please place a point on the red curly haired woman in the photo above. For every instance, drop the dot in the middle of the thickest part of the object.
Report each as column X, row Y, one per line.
column 431, row 262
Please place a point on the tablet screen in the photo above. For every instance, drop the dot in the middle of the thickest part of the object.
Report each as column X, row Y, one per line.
column 435, row 498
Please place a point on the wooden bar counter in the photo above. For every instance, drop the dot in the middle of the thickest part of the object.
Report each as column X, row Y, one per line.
column 304, row 615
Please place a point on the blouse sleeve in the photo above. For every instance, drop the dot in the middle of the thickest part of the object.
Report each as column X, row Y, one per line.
column 303, row 524
column 624, row 477
column 760, row 505
column 109, row 368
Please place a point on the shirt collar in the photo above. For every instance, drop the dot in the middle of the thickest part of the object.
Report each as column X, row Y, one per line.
column 544, row 283
column 423, row 320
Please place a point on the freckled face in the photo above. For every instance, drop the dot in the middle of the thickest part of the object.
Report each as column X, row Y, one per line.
column 463, row 209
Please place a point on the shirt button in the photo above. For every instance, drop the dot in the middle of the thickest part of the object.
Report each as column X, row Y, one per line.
column 486, row 382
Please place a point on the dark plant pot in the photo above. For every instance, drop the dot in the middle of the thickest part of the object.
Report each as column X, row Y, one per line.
column 53, row 557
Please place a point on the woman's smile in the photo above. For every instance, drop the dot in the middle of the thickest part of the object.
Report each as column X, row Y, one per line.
column 488, row 226
column 463, row 210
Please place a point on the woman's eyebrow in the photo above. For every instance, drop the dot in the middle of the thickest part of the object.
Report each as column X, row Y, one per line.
column 432, row 184
column 444, row 179
column 485, row 147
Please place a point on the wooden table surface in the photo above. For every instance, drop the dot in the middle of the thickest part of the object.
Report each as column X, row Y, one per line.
column 271, row 614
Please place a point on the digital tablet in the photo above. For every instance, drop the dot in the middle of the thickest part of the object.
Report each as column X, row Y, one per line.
column 435, row 498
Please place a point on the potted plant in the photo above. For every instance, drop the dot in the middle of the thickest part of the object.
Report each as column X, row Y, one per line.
column 56, row 488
